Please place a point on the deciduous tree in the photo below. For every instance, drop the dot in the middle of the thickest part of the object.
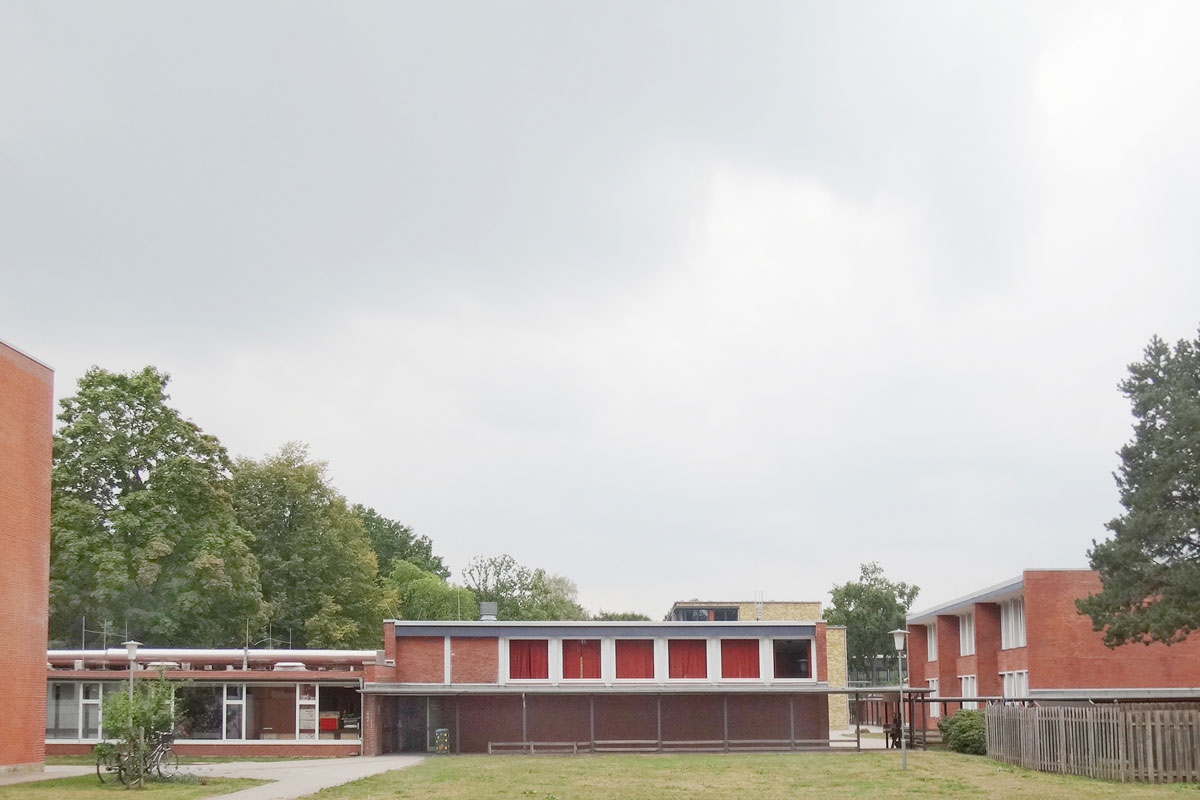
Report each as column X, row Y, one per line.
column 319, row 576
column 869, row 608
column 520, row 592
column 1150, row 568
column 392, row 540
column 143, row 531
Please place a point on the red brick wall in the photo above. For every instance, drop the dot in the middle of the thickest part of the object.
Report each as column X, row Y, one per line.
column 987, row 646
column 474, row 660
column 918, row 655
column 947, row 663
column 26, row 418
column 1064, row 652
column 822, row 652
column 420, row 659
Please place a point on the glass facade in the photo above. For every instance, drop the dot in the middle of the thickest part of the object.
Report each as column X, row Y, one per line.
column 218, row 711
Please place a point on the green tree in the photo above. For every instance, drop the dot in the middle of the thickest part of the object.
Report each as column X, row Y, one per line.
column 424, row 595
column 143, row 531
column 135, row 717
column 869, row 608
column 620, row 616
column 320, row 578
column 520, row 592
column 392, row 540
column 1150, row 568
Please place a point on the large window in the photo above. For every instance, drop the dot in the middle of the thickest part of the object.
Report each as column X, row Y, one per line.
column 969, row 687
column 271, row 712
column 966, row 635
column 62, row 711
column 581, row 659
column 1012, row 623
column 793, row 658
column 739, row 658
column 687, row 658
column 528, row 659
column 635, row 659
column 931, row 642
column 200, row 709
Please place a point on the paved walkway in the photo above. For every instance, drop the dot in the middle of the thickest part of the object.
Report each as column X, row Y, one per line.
column 288, row 778
column 298, row 778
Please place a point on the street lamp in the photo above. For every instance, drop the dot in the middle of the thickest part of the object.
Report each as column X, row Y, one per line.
column 900, row 638
column 131, row 648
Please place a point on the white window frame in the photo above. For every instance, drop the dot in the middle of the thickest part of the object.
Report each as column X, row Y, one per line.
column 968, row 686
column 767, row 660
column 966, row 634
column 1015, row 684
column 1012, row 623
column 931, row 644
column 935, row 709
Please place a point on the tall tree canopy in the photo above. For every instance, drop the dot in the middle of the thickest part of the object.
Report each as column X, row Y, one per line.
column 522, row 593
column 869, row 608
column 1150, row 568
column 392, row 540
column 319, row 576
column 143, row 531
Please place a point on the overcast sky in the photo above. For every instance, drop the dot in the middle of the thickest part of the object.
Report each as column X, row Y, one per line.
column 679, row 300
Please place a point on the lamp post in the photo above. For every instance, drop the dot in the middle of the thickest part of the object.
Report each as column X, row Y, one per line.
column 900, row 638
column 131, row 648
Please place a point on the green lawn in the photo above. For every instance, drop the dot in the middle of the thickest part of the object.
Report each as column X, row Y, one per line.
column 89, row 759
column 756, row 776
column 87, row 787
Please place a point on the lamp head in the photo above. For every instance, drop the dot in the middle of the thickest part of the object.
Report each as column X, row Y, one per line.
column 898, row 637
column 131, row 648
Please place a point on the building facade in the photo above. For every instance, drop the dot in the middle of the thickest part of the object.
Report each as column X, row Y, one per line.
column 598, row 686
column 26, row 419
column 1025, row 638
column 779, row 611
column 228, row 702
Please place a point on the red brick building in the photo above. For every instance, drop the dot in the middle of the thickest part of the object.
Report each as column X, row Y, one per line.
column 1025, row 638
column 598, row 686
column 26, row 419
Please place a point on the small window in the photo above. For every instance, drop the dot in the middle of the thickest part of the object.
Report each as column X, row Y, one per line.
column 931, row 642
column 793, row 658
column 1012, row 623
column 935, row 709
column 739, row 658
column 635, row 659
column 528, row 659
column 724, row 615
column 687, row 658
column 581, row 659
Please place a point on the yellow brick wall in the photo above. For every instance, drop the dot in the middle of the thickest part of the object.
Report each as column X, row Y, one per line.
column 835, row 663
column 780, row 611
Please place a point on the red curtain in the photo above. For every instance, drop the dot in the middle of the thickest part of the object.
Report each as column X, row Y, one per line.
column 687, row 658
column 739, row 658
column 528, row 658
column 635, row 658
column 581, row 658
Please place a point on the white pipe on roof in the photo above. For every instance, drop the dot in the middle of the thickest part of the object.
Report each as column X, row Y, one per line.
column 215, row 655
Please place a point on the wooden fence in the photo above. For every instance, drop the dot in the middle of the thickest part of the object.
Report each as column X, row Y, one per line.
column 1150, row 743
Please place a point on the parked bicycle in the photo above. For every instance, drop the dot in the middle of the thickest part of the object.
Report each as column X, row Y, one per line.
column 159, row 757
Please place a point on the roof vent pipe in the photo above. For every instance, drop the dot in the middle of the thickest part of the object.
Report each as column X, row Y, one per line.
column 487, row 612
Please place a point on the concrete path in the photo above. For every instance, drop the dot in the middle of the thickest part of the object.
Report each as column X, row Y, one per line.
column 51, row 771
column 298, row 778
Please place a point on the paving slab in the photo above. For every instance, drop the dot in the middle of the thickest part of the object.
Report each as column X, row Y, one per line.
column 297, row 778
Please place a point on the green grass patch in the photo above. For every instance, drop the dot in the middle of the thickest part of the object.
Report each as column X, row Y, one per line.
column 88, row 787
column 89, row 759
column 744, row 776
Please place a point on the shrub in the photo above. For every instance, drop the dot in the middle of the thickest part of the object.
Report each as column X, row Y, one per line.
column 964, row 732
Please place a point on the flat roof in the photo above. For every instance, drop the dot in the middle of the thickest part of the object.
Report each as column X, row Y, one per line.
column 597, row 630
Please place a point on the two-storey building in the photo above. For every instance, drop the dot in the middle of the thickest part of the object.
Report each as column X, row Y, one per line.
column 598, row 686
column 1025, row 638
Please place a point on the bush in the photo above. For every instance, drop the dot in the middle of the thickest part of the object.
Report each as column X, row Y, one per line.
column 964, row 732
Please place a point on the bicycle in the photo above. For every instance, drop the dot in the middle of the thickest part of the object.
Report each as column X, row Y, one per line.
column 108, row 762
column 160, row 758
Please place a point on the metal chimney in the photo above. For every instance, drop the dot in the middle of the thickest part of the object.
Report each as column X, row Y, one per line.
column 487, row 612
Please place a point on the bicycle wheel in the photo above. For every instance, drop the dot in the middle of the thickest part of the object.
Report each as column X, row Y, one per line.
column 107, row 766
column 168, row 763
